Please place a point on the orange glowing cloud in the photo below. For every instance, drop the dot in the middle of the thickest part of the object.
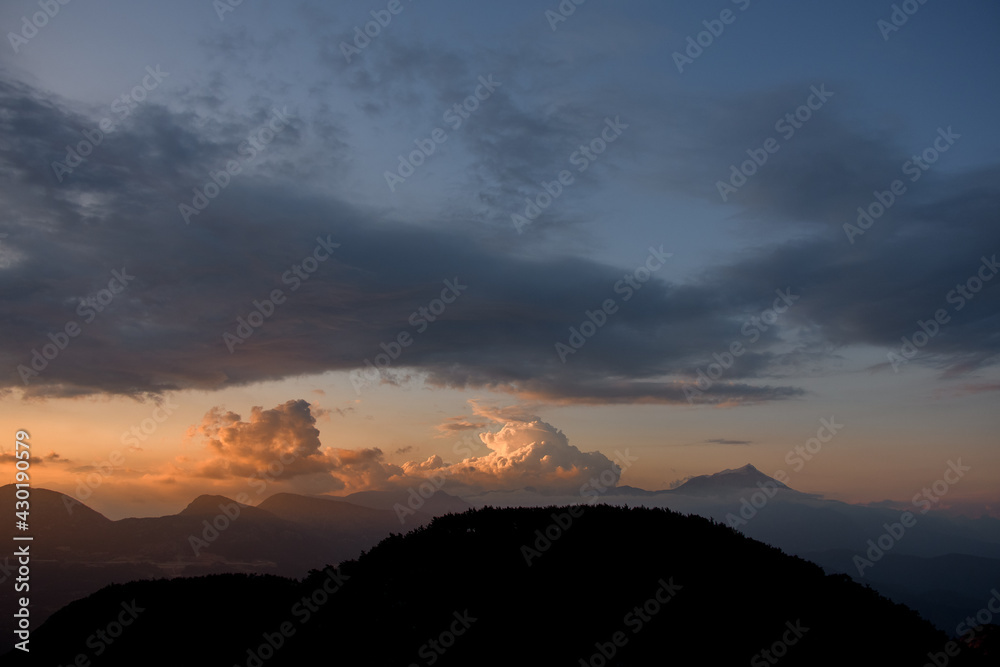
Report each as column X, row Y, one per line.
column 283, row 443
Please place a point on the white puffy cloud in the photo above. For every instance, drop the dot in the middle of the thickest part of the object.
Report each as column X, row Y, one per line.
column 525, row 452
column 284, row 443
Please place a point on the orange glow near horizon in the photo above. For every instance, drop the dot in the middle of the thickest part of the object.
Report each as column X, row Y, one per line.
column 87, row 445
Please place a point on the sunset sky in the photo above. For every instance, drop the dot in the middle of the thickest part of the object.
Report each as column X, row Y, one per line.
column 216, row 217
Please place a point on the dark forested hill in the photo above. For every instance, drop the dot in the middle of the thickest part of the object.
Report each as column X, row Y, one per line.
column 612, row 586
column 77, row 551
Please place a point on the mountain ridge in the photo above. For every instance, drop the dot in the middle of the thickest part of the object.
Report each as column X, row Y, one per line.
column 745, row 477
column 596, row 571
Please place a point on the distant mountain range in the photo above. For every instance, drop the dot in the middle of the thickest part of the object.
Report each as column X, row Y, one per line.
column 596, row 585
column 916, row 569
column 77, row 551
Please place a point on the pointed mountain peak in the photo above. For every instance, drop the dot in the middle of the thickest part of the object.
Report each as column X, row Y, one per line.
column 747, row 469
column 52, row 508
column 733, row 479
column 207, row 504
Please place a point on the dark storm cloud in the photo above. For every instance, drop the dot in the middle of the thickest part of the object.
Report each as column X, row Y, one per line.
column 165, row 330
column 522, row 134
column 191, row 282
column 909, row 264
column 823, row 169
column 914, row 261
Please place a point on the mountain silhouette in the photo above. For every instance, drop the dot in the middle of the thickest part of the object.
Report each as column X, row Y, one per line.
column 440, row 502
column 591, row 585
column 331, row 513
column 76, row 550
column 831, row 533
column 727, row 481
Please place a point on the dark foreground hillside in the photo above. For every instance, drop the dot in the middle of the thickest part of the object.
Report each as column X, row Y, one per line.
column 615, row 587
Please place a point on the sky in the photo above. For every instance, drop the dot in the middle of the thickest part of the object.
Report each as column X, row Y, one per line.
column 499, row 244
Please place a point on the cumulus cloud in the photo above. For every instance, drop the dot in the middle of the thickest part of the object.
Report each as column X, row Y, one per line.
column 524, row 452
column 283, row 439
column 531, row 454
column 283, row 443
